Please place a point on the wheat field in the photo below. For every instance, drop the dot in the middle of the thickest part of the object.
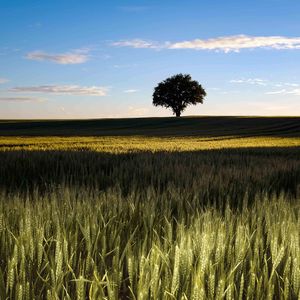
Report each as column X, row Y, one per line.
column 68, row 245
column 150, row 217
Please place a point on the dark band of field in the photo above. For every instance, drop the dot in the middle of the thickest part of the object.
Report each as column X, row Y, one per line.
column 184, row 126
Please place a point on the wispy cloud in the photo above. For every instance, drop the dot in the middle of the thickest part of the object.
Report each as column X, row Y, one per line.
column 238, row 42
column 130, row 91
column 64, row 90
column 287, row 88
column 295, row 92
column 226, row 44
column 255, row 81
column 21, row 99
column 139, row 44
column 3, row 80
column 276, row 92
column 70, row 58
column 264, row 82
column 290, row 84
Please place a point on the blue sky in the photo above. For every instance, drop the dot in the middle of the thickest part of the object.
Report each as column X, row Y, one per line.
column 95, row 59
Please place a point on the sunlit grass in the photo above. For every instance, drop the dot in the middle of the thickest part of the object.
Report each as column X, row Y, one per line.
column 75, row 245
column 123, row 144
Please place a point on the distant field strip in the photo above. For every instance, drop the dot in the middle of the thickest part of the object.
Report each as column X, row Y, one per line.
column 159, row 127
column 123, row 144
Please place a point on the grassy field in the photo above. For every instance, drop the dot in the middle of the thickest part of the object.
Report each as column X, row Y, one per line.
column 191, row 208
column 139, row 143
column 160, row 134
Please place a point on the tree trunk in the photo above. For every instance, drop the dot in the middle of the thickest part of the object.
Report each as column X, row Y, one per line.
column 178, row 114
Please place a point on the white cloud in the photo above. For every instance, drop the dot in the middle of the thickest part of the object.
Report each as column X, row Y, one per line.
column 3, row 80
column 233, row 43
column 237, row 42
column 21, row 99
column 130, row 91
column 64, row 89
column 75, row 57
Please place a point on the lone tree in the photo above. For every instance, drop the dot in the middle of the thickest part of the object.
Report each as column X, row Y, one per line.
column 177, row 92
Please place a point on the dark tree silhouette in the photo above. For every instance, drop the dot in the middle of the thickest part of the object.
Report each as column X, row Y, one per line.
column 177, row 92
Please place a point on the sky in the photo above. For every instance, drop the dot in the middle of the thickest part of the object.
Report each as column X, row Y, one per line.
column 102, row 59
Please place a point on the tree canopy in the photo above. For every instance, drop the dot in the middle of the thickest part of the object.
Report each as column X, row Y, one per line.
column 177, row 92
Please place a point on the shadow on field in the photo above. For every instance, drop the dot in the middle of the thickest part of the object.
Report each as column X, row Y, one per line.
column 184, row 126
column 212, row 176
